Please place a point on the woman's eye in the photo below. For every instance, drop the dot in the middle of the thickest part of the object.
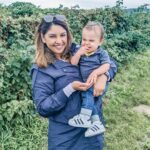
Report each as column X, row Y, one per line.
column 63, row 35
column 51, row 36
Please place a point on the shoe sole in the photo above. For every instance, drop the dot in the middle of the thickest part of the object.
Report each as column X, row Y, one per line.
column 95, row 134
column 81, row 126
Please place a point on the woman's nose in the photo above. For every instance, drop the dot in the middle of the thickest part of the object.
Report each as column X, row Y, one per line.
column 58, row 40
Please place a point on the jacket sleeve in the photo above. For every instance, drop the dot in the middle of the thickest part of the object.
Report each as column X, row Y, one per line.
column 74, row 48
column 113, row 69
column 47, row 100
column 104, row 57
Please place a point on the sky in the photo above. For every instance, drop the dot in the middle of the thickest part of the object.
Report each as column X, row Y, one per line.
column 86, row 4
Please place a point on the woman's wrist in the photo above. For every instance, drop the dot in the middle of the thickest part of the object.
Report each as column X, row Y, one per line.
column 68, row 90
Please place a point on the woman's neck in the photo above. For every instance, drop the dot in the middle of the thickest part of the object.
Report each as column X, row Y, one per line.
column 60, row 57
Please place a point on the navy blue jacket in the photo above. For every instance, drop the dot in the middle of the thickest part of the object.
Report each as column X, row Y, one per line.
column 51, row 102
column 48, row 94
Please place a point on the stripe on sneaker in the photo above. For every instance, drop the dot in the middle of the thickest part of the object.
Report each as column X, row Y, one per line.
column 78, row 121
column 81, row 121
column 96, row 127
column 93, row 129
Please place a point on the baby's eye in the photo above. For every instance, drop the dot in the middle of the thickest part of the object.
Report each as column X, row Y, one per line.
column 91, row 40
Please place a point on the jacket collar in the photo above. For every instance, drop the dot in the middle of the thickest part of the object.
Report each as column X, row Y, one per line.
column 98, row 51
column 58, row 64
column 61, row 64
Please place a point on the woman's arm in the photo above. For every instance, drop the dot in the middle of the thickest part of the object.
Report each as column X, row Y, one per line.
column 47, row 100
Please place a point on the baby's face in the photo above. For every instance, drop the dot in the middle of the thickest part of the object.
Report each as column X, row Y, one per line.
column 91, row 39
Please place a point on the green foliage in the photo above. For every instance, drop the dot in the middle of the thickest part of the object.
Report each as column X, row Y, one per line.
column 127, row 129
column 12, row 31
column 30, row 135
column 22, row 9
column 15, row 85
column 16, row 74
column 126, row 34
column 16, row 112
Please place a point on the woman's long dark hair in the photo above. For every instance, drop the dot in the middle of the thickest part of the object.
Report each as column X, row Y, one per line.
column 44, row 55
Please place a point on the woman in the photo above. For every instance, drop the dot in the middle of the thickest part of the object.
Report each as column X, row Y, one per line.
column 56, row 86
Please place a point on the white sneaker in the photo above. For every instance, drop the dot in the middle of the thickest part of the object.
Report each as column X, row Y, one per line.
column 96, row 128
column 80, row 121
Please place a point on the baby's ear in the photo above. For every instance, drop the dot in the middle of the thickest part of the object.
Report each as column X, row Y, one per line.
column 101, row 41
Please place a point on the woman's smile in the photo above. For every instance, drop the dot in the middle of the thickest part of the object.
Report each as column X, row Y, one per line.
column 59, row 47
column 56, row 40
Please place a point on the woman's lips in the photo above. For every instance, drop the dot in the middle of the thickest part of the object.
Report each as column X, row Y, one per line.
column 59, row 47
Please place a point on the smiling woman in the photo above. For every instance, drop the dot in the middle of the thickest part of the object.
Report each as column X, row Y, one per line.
column 56, row 86
column 56, row 40
column 54, row 36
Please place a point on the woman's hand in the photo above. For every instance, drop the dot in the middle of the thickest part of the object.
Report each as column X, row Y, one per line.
column 99, row 86
column 77, row 85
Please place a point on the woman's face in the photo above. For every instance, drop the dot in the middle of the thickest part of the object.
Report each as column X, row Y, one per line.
column 56, row 40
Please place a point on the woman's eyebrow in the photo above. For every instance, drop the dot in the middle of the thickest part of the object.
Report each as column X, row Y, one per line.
column 63, row 33
column 56, row 34
column 51, row 34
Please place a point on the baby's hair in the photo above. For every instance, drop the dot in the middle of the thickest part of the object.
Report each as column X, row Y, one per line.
column 92, row 24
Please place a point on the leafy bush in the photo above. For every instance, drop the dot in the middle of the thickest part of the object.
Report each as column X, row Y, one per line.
column 22, row 9
column 15, row 76
column 15, row 85
column 12, row 31
column 16, row 112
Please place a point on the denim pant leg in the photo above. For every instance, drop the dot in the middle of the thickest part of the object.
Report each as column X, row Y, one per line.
column 94, row 111
column 88, row 99
column 98, row 104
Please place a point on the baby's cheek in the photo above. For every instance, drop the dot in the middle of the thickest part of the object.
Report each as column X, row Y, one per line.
column 82, row 43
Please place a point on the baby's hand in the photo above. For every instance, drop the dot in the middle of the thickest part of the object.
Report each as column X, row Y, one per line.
column 92, row 77
column 82, row 50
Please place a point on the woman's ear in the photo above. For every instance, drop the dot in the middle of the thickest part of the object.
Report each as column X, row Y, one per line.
column 42, row 37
